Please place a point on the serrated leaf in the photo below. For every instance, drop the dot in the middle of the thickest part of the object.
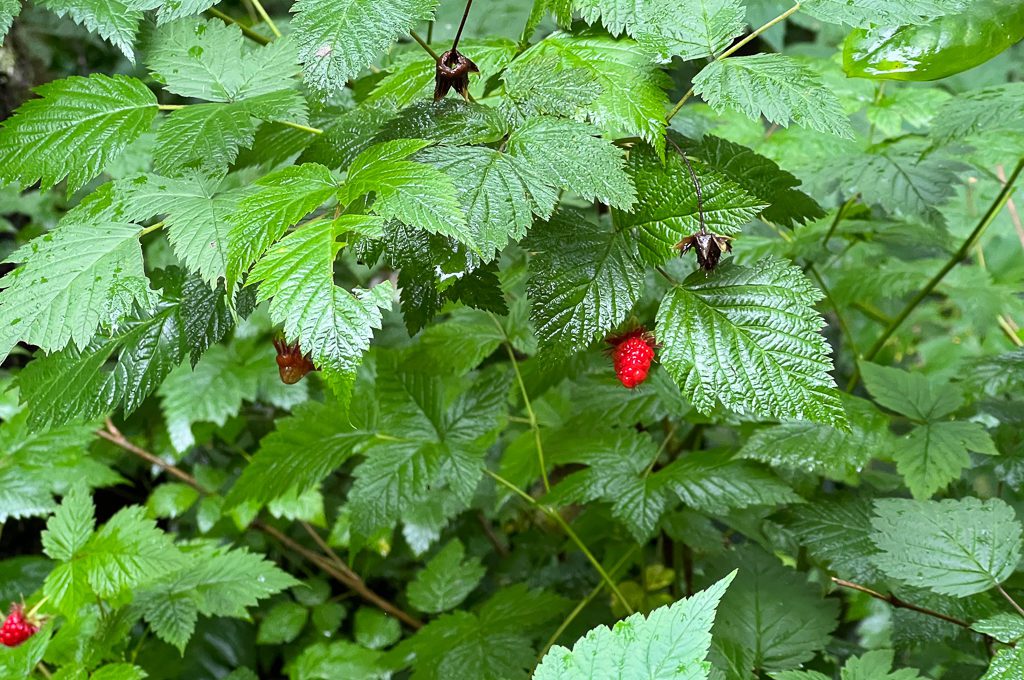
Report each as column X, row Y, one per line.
column 499, row 194
column 632, row 101
column 305, row 448
column 750, row 339
column 542, row 86
column 452, row 122
column 953, row 547
column 977, row 111
column 9, row 10
column 76, row 128
column 584, row 281
column 446, row 581
column 1005, row 627
column 838, row 533
column 333, row 325
column 931, row 456
column 867, row 13
column 208, row 60
column 375, row 629
column 338, row 659
column 73, row 385
column 73, row 280
column 415, row 194
column 666, row 210
column 913, row 394
column 715, row 484
column 672, row 641
column 118, row 671
column 203, row 137
column 71, row 527
column 690, row 30
column 117, row 22
column 127, row 551
column 775, row 86
column 284, row 197
column 282, row 624
column 337, row 39
column 1007, row 665
column 569, row 155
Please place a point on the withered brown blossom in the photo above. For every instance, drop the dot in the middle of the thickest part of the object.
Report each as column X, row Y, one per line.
column 452, row 73
column 292, row 364
column 709, row 248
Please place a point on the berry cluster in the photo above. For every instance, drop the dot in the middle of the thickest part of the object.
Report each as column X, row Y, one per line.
column 632, row 354
column 16, row 628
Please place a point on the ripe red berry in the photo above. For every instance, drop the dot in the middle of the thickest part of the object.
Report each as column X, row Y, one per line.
column 632, row 354
column 16, row 629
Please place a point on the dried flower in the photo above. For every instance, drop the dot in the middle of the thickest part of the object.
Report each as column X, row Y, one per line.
column 709, row 248
column 453, row 69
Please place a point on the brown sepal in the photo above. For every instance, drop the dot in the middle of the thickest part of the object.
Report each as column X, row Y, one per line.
column 709, row 248
column 452, row 73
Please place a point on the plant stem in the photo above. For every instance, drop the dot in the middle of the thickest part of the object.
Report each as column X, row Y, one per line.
column 332, row 565
column 1009, row 599
column 993, row 210
column 584, row 602
column 266, row 18
column 840, row 214
column 151, row 228
column 661, row 449
column 462, row 25
column 425, row 45
column 530, row 414
column 246, row 31
column 300, row 126
column 732, row 50
column 843, row 326
column 696, row 184
column 902, row 604
column 170, row 107
column 573, row 536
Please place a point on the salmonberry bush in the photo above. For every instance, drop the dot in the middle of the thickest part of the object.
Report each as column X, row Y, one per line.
column 508, row 339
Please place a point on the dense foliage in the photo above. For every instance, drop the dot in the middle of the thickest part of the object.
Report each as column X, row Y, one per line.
column 600, row 339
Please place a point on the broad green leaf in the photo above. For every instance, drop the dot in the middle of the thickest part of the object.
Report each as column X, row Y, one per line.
column 282, row 199
column 170, row 10
column 74, row 129
column 171, row 500
column 416, row 194
column 690, row 30
column 953, row 547
column 203, row 137
column 775, row 86
column 546, row 86
column 446, row 581
column 69, row 529
column 931, row 456
column 632, row 101
column 338, row 659
column 584, row 281
column 666, row 210
column 117, row 21
column 208, row 60
column 750, row 339
column 672, row 641
column 882, row 12
column 499, row 193
column 569, row 155
column 375, row 629
column 339, row 38
column 118, row 671
column 873, row 665
column 333, row 325
column 451, row 122
column 977, row 111
column 282, row 624
column 913, row 394
column 1005, row 627
column 127, row 551
column 714, row 484
column 837, row 532
column 72, row 280
column 306, row 447
column 1007, row 665
column 76, row 385
column 772, row 611
column 9, row 11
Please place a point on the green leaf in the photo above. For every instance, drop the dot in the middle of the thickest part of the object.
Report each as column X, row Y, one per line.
column 914, row 395
column 119, row 671
column 305, row 448
column 691, row 30
column 339, row 659
column 953, row 547
column 73, row 385
column 977, row 111
column 9, row 11
column 671, row 641
column 539, row 86
column 715, row 484
column 874, row 665
column 446, row 581
column 775, row 86
column 750, row 339
column 203, row 137
column 1005, row 627
column 171, row 500
column 284, row 197
column 773, row 611
column 569, row 155
column 1006, row 665
column 126, row 552
column 337, row 39
column 451, row 122
column 333, row 325
column 72, row 280
column 116, row 21
column 499, row 194
column 282, row 624
column 882, row 12
column 70, row 528
column 208, row 60
column 74, row 129
column 632, row 101
column 415, row 194
column 838, row 533
column 584, row 281
column 931, row 456
column 375, row 629
column 666, row 210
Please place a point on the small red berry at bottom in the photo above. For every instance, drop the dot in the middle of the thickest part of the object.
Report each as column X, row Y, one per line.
column 632, row 358
column 16, row 629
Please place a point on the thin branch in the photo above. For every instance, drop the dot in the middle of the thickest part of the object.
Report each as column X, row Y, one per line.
column 485, row 523
column 530, row 414
column 246, row 31
column 423, row 43
column 114, row 436
column 843, row 326
column 997, row 205
column 462, row 25
column 1011, row 208
column 300, row 126
column 901, row 604
column 1008, row 330
column 840, row 214
column 732, row 50
column 696, row 184
column 573, row 536
column 266, row 18
column 1009, row 599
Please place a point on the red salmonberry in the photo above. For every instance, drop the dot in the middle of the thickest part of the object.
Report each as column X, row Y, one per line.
column 16, row 628
column 632, row 354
